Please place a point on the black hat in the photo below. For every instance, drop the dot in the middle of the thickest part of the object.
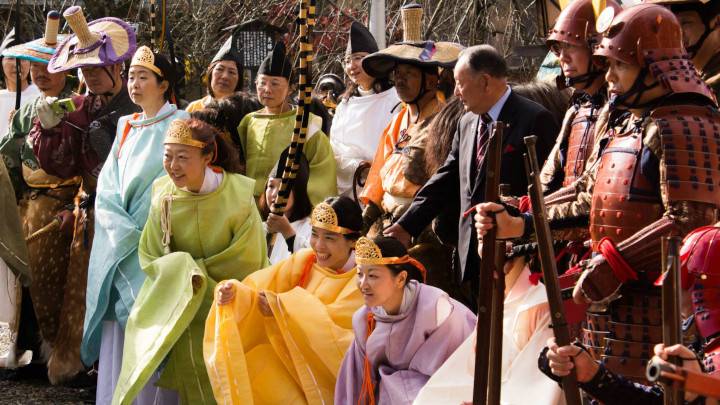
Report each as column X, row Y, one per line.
column 360, row 40
column 227, row 53
column 276, row 63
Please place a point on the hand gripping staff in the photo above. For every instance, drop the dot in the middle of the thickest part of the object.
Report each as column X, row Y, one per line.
column 682, row 379
column 547, row 261
column 486, row 386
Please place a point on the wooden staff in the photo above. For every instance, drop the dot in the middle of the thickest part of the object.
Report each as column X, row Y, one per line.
column 488, row 269
column 496, row 326
column 671, row 312
column 302, row 116
column 547, row 261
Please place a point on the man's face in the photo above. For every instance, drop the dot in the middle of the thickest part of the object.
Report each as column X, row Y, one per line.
column 471, row 87
column 692, row 27
column 408, row 81
column 51, row 84
column 620, row 76
column 98, row 80
column 574, row 60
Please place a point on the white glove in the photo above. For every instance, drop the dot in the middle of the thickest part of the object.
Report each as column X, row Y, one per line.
column 48, row 118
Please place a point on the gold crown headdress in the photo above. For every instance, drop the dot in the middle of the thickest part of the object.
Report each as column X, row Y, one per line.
column 324, row 217
column 180, row 133
column 368, row 252
column 145, row 58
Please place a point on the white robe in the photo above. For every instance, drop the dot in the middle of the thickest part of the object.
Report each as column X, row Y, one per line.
column 7, row 104
column 356, row 130
column 280, row 250
column 526, row 328
column 10, row 300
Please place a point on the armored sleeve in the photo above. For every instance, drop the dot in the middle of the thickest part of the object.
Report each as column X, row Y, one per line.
column 552, row 173
column 687, row 153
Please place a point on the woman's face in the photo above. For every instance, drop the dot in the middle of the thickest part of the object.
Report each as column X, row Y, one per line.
column 271, row 192
column 379, row 285
column 272, row 90
column 331, row 249
column 224, row 78
column 186, row 166
column 9, row 69
column 354, row 70
column 144, row 87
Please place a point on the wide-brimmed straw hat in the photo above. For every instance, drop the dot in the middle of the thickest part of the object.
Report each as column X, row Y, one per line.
column 103, row 42
column 412, row 50
column 40, row 50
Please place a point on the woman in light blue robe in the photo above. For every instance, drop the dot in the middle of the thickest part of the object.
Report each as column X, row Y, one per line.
column 121, row 209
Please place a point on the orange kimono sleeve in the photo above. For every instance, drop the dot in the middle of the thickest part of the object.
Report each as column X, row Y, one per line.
column 373, row 190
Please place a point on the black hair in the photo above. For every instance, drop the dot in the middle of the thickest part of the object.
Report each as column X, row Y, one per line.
column 707, row 12
column 168, row 74
column 391, row 247
column 486, row 59
column 302, row 207
column 348, row 213
column 225, row 155
column 547, row 95
column 441, row 132
column 232, row 109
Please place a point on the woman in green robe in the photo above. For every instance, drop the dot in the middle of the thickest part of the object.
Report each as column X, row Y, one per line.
column 203, row 227
column 266, row 133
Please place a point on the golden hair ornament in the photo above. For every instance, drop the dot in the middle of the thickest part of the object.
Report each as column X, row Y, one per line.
column 145, row 58
column 179, row 133
column 368, row 252
column 324, row 217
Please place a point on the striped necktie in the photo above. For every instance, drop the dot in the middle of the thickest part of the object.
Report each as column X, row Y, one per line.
column 482, row 139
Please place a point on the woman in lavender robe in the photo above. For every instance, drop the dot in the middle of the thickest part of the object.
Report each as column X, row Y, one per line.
column 403, row 334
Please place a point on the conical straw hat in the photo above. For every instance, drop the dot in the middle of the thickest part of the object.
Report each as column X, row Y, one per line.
column 103, row 42
column 42, row 49
column 413, row 50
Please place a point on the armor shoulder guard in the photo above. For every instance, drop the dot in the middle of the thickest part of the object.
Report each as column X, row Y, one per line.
column 690, row 143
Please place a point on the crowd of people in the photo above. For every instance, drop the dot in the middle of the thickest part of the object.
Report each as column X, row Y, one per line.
column 193, row 256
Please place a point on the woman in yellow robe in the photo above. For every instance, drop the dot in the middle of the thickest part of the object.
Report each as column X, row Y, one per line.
column 279, row 336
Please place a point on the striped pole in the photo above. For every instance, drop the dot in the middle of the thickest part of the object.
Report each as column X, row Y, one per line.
column 152, row 27
column 302, row 116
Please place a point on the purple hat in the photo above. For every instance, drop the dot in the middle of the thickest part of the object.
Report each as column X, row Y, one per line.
column 103, row 42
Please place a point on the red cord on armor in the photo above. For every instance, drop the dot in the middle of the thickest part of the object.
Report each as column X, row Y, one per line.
column 536, row 277
column 367, row 391
column 620, row 268
column 525, row 205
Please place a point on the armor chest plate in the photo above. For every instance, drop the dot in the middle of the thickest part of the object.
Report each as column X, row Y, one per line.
column 624, row 200
column 623, row 337
column 580, row 142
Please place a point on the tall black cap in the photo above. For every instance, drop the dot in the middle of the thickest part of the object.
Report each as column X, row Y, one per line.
column 360, row 40
column 276, row 63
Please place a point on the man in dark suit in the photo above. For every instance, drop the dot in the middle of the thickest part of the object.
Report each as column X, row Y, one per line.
column 481, row 84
